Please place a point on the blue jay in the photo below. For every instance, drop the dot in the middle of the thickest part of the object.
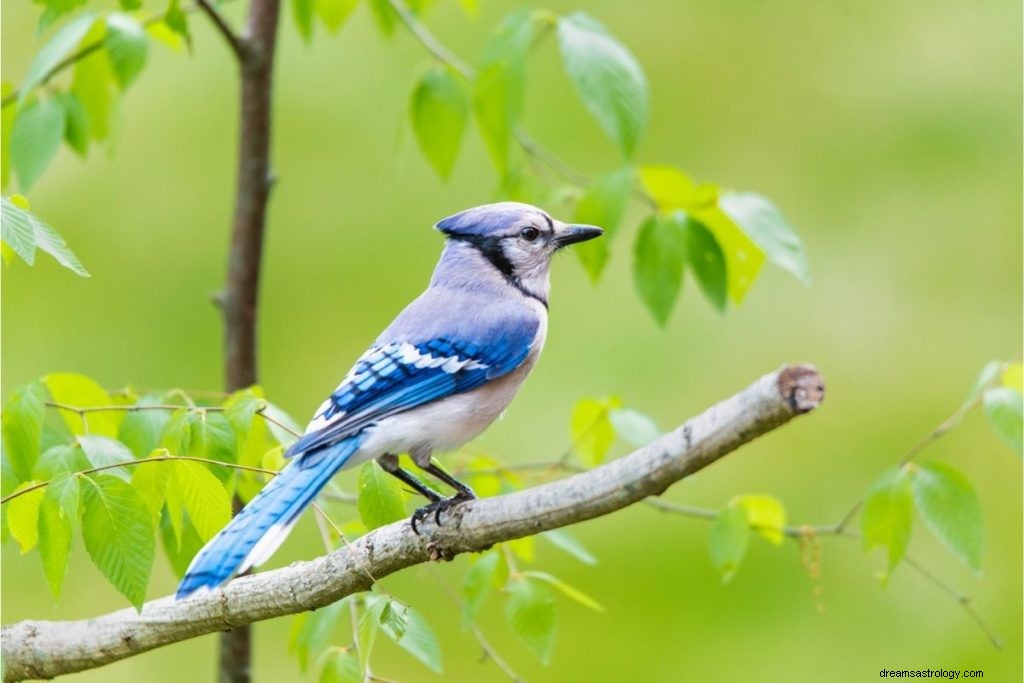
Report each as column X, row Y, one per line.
column 443, row 371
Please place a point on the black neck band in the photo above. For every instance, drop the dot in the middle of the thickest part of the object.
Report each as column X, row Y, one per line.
column 490, row 248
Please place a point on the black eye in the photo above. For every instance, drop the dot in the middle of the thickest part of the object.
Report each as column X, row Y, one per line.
column 530, row 234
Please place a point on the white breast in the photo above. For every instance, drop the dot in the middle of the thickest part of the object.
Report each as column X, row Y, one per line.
column 451, row 422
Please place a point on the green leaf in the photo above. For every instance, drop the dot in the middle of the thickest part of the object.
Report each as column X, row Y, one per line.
column 634, row 427
column 35, row 139
column 590, row 428
column 439, row 109
column 17, row 231
column 602, row 204
column 1004, row 408
column 420, row 641
column 765, row 515
column 91, row 84
column 743, row 258
column 53, row 244
column 381, row 499
column 179, row 553
column 102, row 451
column 1013, row 376
column 333, row 13
column 383, row 16
column 479, row 580
column 193, row 488
column 311, row 631
column 58, row 512
column 127, row 46
column 574, row 594
column 530, row 613
column 140, row 430
column 569, row 544
column 150, row 482
column 669, row 187
column 607, row 78
column 22, row 421
column 118, row 533
column 987, row 375
column 369, row 624
column 60, row 459
column 763, row 222
column 951, row 510
column 23, row 516
column 76, row 390
column 394, row 618
column 658, row 257
column 707, row 263
column 498, row 87
column 886, row 517
column 302, row 13
column 59, row 47
column 728, row 540
column 340, row 666
column 76, row 123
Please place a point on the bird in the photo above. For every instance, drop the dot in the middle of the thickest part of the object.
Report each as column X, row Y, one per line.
column 442, row 371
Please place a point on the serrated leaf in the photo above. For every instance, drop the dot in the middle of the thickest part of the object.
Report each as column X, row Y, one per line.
column 658, row 258
column 569, row 544
column 302, row 14
column 53, row 244
column 22, row 421
column 193, row 488
column 60, row 459
column 23, row 516
column 150, row 481
column 59, row 47
column 17, row 231
column 530, row 613
column 127, row 45
column 574, row 594
column 602, row 204
column 312, row 631
column 79, row 391
column 179, row 553
column 607, row 78
column 118, row 533
column 140, row 430
column 419, row 640
column 76, row 123
column 91, row 83
column 887, row 517
column 766, row 515
column 439, row 108
column 633, row 426
column 707, row 263
column 498, row 87
column 743, row 258
column 590, row 428
column 1005, row 411
column 35, row 139
column 728, row 540
column 763, row 223
column 102, row 451
column 58, row 512
column 478, row 581
column 369, row 624
column 950, row 509
column 668, row 187
column 333, row 13
column 340, row 666
column 381, row 499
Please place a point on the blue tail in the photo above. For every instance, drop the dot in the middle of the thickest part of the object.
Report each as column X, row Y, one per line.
column 260, row 528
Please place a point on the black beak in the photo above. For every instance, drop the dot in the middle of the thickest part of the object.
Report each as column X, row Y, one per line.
column 577, row 233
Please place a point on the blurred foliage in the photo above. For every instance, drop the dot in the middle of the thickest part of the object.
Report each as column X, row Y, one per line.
column 920, row 118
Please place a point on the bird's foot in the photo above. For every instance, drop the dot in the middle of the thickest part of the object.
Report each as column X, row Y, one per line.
column 436, row 508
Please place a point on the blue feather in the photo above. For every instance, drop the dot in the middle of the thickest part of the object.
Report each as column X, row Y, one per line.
column 279, row 503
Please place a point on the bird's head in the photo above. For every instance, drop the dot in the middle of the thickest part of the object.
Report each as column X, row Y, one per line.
column 516, row 239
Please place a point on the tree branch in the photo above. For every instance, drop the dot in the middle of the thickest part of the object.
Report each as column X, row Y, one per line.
column 234, row 41
column 42, row 649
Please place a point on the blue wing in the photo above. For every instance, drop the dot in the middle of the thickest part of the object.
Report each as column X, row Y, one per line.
column 394, row 377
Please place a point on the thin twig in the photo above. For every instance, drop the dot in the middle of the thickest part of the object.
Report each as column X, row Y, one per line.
column 83, row 410
column 234, row 41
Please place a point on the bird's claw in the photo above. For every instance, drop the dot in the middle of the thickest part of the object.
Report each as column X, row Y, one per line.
column 436, row 508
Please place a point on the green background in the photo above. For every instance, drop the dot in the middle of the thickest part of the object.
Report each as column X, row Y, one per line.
column 888, row 133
